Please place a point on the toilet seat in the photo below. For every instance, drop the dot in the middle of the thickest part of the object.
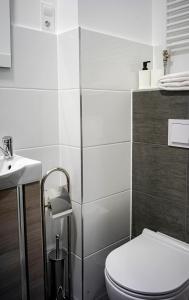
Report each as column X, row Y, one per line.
column 151, row 266
column 174, row 295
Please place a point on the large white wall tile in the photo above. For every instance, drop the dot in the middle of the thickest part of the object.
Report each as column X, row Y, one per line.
column 94, row 280
column 109, row 62
column 70, row 159
column 68, row 59
column 106, row 170
column 67, row 14
column 76, row 277
column 34, row 60
column 128, row 18
column 106, row 221
column 49, row 156
column 30, row 116
column 69, row 117
column 106, row 117
column 76, row 229
column 27, row 13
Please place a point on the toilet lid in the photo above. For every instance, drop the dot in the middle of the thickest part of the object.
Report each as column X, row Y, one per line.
column 152, row 263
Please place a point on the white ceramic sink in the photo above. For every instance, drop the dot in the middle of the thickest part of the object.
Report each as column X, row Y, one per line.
column 18, row 170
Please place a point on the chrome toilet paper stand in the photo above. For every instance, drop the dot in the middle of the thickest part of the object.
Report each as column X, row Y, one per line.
column 68, row 217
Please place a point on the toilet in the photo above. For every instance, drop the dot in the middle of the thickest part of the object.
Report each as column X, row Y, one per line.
column 151, row 266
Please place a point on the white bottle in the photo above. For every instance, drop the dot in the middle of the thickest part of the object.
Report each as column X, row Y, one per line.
column 145, row 77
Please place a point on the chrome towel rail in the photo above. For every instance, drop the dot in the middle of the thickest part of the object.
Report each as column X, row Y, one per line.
column 177, row 26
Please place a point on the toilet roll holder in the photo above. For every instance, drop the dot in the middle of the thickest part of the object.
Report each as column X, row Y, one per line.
column 66, row 214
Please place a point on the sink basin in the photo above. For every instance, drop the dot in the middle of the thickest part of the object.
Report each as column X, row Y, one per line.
column 18, row 170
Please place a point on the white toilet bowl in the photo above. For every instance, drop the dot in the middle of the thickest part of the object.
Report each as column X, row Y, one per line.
column 151, row 266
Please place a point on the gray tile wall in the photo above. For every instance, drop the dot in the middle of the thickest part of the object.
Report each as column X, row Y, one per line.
column 160, row 172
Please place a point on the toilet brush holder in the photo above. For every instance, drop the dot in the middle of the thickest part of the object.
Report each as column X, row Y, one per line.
column 57, row 260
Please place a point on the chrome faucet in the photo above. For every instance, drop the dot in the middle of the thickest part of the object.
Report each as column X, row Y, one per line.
column 7, row 148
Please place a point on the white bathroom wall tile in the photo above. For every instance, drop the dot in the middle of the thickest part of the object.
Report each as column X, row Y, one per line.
column 106, row 117
column 27, row 13
column 94, row 280
column 68, row 59
column 106, row 221
column 106, row 170
column 30, row 116
column 34, row 60
column 69, row 116
column 119, row 17
column 70, row 159
column 67, row 14
column 49, row 156
column 109, row 62
column 76, row 277
column 76, row 229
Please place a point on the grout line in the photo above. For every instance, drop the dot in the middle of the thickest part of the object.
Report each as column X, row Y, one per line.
column 108, row 144
column 59, row 121
column 77, row 256
column 64, row 89
column 186, row 200
column 27, row 89
column 76, row 202
column 131, row 171
column 46, row 146
column 82, row 180
column 153, row 144
column 146, row 90
column 36, row 29
column 110, row 245
column 107, row 196
column 115, row 36
column 58, row 33
column 156, row 197
column 70, row 146
column 37, row 147
column 107, row 90
column 69, row 89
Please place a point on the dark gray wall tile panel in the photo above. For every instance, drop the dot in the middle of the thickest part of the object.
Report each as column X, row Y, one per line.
column 160, row 172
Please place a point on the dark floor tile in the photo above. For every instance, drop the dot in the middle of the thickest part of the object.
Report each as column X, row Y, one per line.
column 151, row 111
column 158, row 214
column 160, row 171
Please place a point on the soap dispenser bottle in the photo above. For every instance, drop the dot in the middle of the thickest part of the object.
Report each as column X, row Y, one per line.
column 145, row 76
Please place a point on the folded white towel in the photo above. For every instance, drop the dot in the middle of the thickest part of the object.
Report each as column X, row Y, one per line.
column 176, row 75
column 176, row 84
column 181, row 79
column 185, row 88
